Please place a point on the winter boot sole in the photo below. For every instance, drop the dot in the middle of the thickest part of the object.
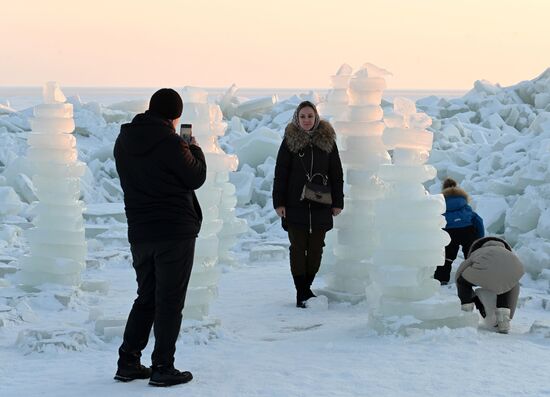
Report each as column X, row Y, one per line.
column 179, row 381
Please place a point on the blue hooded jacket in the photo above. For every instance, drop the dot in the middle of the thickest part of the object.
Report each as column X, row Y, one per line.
column 459, row 213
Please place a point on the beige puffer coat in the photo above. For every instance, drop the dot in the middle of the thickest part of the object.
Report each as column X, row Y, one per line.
column 492, row 265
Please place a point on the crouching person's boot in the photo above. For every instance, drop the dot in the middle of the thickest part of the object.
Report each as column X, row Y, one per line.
column 163, row 376
column 503, row 319
column 301, row 288
column 130, row 368
column 308, row 292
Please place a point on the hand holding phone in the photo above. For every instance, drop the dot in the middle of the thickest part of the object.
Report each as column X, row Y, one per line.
column 186, row 132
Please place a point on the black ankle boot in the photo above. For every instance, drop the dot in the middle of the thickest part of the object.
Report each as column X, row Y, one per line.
column 132, row 371
column 163, row 376
column 129, row 366
column 301, row 288
column 308, row 292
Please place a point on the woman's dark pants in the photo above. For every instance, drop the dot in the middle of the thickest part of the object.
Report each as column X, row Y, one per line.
column 466, row 293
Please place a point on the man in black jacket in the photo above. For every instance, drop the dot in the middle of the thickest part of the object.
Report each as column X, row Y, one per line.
column 158, row 173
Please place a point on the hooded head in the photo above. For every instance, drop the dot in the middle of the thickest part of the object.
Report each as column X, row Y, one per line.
column 448, row 182
column 166, row 103
column 488, row 241
column 494, row 243
column 296, row 117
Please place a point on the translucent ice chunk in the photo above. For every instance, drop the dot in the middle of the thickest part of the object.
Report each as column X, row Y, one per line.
column 10, row 203
column 52, row 93
column 358, row 129
column 51, row 265
column 404, row 106
column 420, row 121
column 365, row 113
column 403, row 173
column 52, row 125
column 267, row 253
column 52, row 141
column 51, row 236
column 194, row 95
column 375, row 71
column 59, row 110
column 408, row 138
column 344, row 69
column 362, row 83
column 62, row 156
column 359, row 98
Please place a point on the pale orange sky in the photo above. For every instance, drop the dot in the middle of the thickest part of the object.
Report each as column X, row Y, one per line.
column 426, row 44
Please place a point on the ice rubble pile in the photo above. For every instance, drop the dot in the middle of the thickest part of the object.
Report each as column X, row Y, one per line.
column 409, row 249
column 495, row 141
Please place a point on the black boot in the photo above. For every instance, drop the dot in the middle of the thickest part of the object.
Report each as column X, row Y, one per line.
column 129, row 367
column 301, row 288
column 163, row 376
column 129, row 372
column 443, row 273
column 308, row 292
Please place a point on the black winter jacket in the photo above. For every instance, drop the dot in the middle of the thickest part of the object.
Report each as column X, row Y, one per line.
column 158, row 173
column 290, row 176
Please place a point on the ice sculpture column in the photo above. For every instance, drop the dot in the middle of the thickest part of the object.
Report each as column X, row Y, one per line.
column 232, row 226
column 362, row 153
column 57, row 242
column 335, row 109
column 217, row 198
column 412, row 242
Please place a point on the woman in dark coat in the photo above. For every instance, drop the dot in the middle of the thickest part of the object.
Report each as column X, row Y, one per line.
column 308, row 148
column 463, row 225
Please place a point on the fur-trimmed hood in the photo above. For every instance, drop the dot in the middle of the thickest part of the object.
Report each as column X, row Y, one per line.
column 455, row 191
column 488, row 241
column 324, row 137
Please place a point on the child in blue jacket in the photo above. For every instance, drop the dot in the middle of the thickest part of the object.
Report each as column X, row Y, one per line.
column 463, row 225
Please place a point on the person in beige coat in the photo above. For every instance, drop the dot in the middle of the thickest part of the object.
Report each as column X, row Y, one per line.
column 492, row 265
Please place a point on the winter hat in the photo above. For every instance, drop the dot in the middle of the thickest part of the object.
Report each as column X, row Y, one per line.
column 296, row 116
column 449, row 182
column 166, row 103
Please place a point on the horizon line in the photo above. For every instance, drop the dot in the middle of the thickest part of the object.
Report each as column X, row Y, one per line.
column 238, row 87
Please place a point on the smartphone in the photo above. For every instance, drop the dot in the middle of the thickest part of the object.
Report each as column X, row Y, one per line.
column 185, row 132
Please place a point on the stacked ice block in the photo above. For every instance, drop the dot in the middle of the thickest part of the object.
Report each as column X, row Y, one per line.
column 334, row 109
column 220, row 226
column 57, row 243
column 412, row 242
column 362, row 152
column 335, row 106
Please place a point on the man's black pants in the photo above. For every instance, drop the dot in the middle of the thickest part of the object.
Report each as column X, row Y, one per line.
column 162, row 270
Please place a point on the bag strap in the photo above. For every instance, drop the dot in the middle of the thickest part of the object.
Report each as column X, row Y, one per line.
column 310, row 175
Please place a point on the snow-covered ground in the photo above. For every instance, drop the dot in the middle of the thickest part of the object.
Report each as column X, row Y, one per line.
column 267, row 347
column 495, row 141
